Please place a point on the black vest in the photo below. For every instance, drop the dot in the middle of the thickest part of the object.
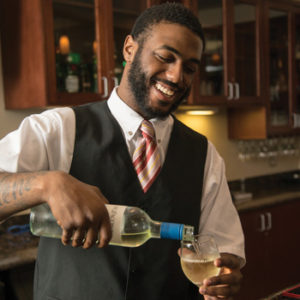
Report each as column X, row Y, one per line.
column 151, row 271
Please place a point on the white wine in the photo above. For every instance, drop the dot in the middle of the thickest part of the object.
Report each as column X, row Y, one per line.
column 134, row 239
column 196, row 270
column 131, row 226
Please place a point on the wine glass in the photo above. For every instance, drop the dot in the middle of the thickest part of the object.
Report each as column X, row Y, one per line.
column 197, row 258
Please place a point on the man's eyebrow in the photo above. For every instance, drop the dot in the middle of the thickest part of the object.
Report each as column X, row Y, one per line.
column 194, row 60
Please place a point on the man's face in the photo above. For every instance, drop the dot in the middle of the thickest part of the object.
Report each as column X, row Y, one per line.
column 163, row 69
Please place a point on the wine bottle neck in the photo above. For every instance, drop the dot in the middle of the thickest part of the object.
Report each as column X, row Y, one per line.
column 155, row 229
column 171, row 231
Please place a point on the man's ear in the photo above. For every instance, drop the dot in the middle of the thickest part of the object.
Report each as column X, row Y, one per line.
column 129, row 49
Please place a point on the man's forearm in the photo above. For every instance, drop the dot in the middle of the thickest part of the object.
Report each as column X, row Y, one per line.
column 19, row 191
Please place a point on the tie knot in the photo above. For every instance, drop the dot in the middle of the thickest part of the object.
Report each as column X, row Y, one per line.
column 147, row 130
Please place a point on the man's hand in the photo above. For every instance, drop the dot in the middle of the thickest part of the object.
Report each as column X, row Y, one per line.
column 79, row 209
column 227, row 283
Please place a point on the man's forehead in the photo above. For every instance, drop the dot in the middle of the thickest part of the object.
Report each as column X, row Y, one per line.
column 171, row 31
column 174, row 37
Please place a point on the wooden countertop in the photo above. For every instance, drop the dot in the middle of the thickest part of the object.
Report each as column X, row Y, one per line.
column 17, row 258
column 16, row 249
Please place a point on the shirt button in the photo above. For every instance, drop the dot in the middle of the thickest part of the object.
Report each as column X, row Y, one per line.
column 130, row 132
column 159, row 140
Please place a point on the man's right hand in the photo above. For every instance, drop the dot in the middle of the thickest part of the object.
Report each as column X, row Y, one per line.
column 79, row 209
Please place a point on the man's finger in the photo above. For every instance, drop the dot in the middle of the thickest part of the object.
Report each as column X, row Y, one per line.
column 91, row 238
column 66, row 236
column 222, row 279
column 220, row 291
column 229, row 261
column 78, row 237
column 104, row 232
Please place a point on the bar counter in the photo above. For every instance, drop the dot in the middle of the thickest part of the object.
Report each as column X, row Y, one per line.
column 17, row 247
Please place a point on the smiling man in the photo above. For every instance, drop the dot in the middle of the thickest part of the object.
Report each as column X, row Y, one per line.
column 77, row 159
column 160, row 68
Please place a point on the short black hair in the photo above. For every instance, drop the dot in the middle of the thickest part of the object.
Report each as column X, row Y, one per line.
column 169, row 12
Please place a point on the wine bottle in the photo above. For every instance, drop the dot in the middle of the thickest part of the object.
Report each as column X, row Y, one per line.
column 131, row 226
column 72, row 80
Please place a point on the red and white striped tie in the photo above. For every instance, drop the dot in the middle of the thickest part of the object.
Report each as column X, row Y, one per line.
column 146, row 159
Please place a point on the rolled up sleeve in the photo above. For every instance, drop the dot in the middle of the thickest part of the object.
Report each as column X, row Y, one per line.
column 42, row 142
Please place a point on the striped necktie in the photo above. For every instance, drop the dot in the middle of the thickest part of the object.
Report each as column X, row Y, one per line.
column 146, row 159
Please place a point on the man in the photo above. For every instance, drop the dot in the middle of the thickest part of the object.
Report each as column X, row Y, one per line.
column 76, row 160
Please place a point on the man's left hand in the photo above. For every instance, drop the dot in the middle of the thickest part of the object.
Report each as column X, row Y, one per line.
column 227, row 283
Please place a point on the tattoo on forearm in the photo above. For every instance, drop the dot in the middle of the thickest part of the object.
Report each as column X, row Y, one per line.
column 4, row 190
column 13, row 190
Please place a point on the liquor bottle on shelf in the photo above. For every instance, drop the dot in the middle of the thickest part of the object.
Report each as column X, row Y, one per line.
column 131, row 226
column 72, row 83
column 85, row 78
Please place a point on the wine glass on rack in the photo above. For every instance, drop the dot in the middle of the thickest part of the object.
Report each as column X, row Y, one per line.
column 197, row 258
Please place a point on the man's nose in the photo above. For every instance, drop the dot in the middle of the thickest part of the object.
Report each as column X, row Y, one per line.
column 174, row 73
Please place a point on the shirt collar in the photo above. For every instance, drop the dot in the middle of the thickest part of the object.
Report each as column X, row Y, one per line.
column 130, row 121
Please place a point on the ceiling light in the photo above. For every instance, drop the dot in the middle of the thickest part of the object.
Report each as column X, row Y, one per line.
column 193, row 110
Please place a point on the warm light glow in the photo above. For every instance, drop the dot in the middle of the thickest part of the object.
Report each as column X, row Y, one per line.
column 201, row 124
column 95, row 47
column 200, row 112
column 216, row 57
column 197, row 110
column 64, row 45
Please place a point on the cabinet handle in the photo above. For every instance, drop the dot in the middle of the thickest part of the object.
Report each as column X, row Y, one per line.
column 230, row 90
column 105, row 85
column 269, row 218
column 116, row 81
column 262, row 223
column 296, row 123
column 237, row 91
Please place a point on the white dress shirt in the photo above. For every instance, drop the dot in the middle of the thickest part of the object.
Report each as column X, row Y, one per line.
column 46, row 141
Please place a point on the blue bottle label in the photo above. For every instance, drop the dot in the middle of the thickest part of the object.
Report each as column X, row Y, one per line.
column 171, row 231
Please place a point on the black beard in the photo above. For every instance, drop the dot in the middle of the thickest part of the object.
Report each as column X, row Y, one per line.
column 137, row 81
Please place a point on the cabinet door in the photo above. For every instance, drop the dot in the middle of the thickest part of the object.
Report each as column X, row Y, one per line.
column 255, row 273
column 230, row 65
column 280, row 78
column 283, row 114
column 272, row 254
column 211, row 84
column 283, row 243
column 278, row 53
column 54, row 51
column 247, row 79
column 78, row 36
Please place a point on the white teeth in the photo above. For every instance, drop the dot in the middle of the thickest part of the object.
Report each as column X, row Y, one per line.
column 164, row 90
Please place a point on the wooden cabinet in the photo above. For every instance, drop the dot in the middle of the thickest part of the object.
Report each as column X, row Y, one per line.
column 251, row 63
column 280, row 113
column 37, row 38
column 233, row 45
column 63, row 52
column 272, row 249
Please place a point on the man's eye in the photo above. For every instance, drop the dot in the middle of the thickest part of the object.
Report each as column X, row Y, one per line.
column 190, row 69
column 165, row 59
